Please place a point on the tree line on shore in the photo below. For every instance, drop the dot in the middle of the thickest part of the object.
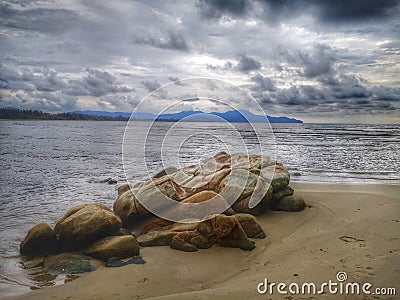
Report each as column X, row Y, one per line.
column 29, row 114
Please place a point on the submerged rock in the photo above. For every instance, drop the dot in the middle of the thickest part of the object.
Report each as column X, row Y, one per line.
column 108, row 180
column 115, row 263
column 39, row 240
column 84, row 224
column 113, row 246
column 68, row 263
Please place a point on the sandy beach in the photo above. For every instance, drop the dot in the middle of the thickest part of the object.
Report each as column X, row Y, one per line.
column 348, row 228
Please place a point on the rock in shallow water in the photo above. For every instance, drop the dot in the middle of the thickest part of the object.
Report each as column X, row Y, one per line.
column 68, row 263
column 84, row 224
column 115, row 263
column 39, row 240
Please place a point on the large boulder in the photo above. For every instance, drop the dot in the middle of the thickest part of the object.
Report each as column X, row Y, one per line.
column 113, row 246
column 40, row 240
column 85, row 224
column 74, row 209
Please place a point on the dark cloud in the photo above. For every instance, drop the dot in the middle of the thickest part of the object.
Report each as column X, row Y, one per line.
column 344, row 93
column 311, row 62
column 244, row 63
column 46, row 89
column 176, row 80
column 297, row 56
column 386, row 93
column 318, row 62
column 95, row 83
column 39, row 100
column 38, row 19
column 151, row 85
column 173, row 41
column 216, row 8
column 173, row 78
column 325, row 10
column 247, row 63
column 355, row 10
column 263, row 83
column 119, row 102
column 13, row 79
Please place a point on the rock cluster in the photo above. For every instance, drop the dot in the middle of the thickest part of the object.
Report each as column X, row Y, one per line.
column 219, row 174
column 93, row 230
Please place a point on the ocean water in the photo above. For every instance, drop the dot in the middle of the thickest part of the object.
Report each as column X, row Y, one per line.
column 46, row 167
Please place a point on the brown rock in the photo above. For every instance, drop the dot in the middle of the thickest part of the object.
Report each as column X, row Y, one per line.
column 287, row 191
column 156, row 238
column 222, row 230
column 242, row 180
column 166, row 171
column 74, row 209
column 190, row 241
column 113, row 246
column 280, row 176
column 85, row 225
column 289, row 203
column 250, row 226
column 40, row 240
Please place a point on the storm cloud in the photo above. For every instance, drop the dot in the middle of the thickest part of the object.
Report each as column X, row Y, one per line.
column 302, row 58
column 325, row 11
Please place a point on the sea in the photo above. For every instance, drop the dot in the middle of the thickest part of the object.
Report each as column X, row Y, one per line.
column 47, row 167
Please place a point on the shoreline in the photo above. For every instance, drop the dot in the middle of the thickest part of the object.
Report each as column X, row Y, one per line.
column 348, row 228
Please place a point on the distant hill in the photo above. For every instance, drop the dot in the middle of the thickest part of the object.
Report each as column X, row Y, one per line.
column 126, row 115
column 235, row 116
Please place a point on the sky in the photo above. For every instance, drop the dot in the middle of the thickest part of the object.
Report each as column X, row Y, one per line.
column 335, row 61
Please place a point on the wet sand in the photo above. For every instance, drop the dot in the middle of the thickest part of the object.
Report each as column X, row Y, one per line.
column 350, row 228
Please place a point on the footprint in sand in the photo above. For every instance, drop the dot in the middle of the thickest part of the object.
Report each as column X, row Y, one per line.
column 350, row 239
column 143, row 280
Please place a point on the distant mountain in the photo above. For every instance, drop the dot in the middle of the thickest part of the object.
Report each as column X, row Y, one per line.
column 127, row 115
column 234, row 116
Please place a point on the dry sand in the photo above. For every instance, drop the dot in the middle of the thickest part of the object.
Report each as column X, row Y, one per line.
column 300, row 247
